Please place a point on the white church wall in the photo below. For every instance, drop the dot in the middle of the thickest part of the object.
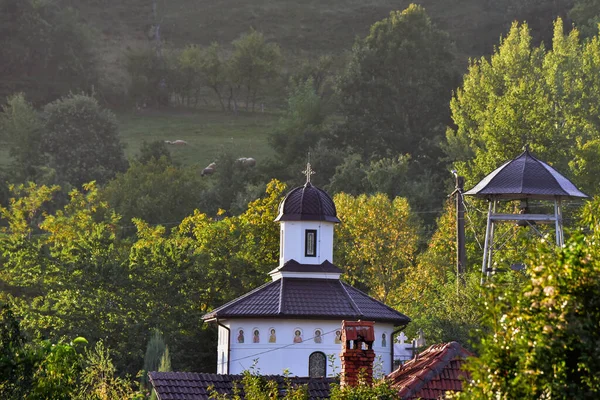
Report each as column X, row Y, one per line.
column 292, row 241
column 285, row 353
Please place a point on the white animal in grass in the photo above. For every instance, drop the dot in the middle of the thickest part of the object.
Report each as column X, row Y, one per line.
column 246, row 161
column 209, row 170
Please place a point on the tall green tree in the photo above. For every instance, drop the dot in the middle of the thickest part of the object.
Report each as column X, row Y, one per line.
column 253, row 63
column 527, row 95
column 376, row 243
column 82, row 140
column 395, row 90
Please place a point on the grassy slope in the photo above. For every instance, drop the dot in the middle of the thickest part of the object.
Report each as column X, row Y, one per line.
column 206, row 132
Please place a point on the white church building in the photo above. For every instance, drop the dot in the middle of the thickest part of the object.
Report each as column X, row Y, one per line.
column 293, row 323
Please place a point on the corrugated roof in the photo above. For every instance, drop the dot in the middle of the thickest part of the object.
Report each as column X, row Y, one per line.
column 308, row 298
column 525, row 176
column 195, row 386
column 432, row 373
column 307, row 203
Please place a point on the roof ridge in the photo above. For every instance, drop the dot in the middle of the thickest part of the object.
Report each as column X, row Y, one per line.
column 374, row 299
column 352, row 303
column 280, row 307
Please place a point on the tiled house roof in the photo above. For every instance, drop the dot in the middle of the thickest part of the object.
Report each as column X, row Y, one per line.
column 195, row 386
column 432, row 373
column 528, row 177
column 308, row 298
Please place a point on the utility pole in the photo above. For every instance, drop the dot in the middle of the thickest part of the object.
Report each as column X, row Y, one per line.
column 461, row 254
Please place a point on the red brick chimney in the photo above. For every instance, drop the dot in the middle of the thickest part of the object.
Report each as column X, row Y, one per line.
column 357, row 354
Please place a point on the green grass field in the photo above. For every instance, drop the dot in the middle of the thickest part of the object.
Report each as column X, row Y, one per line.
column 206, row 132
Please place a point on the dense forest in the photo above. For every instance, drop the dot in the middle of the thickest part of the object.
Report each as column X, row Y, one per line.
column 110, row 254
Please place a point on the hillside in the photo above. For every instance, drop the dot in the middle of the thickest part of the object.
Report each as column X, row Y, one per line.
column 304, row 28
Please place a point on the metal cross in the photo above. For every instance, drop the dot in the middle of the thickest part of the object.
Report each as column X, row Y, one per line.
column 308, row 172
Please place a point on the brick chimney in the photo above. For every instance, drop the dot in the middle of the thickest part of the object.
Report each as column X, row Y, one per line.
column 357, row 354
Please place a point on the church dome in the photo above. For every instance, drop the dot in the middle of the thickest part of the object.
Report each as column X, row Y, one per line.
column 307, row 203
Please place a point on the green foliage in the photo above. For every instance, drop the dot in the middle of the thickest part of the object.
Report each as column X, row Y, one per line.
column 302, row 127
column 155, row 355
column 586, row 16
column 156, row 192
column 148, row 72
column 253, row 63
column 17, row 361
column 395, row 89
column 82, row 140
column 256, row 387
column 45, row 50
column 99, row 380
column 22, row 128
column 153, row 150
column 376, row 243
column 381, row 389
column 544, row 338
column 526, row 95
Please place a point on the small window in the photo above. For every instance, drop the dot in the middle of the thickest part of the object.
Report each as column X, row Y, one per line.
column 310, row 249
column 317, row 365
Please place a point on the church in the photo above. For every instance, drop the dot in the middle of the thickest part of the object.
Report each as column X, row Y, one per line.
column 293, row 323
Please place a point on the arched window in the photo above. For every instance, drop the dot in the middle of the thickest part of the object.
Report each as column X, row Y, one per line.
column 317, row 365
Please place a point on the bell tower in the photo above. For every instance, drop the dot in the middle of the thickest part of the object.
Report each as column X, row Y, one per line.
column 307, row 217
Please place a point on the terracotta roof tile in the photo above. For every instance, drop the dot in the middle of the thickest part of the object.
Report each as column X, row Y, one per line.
column 195, row 386
column 435, row 371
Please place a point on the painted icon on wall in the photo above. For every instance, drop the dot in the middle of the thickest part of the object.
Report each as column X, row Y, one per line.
column 240, row 337
column 338, row 337
column 317, row 337
column 383, row 340
column 255, row 336
column 272, row 336
column 297, row 336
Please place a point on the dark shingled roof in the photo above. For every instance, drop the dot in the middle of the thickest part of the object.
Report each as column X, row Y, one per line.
column 307, row 203
column 432, row 373
column 525, row 177
column 194, row 386
column 295, row 266
column 308, row 298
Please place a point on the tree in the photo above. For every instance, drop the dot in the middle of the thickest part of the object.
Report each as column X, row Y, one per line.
column 526, row 95
column 214, row 70
column 45, row 51
column 155, row 351
column 586, row 15
column 303, row 125
column 82, row 140
column 156, row 192
column 544, row 341
column 376, row 243
column 22, row 128
column 395, row 89
column 253, row 62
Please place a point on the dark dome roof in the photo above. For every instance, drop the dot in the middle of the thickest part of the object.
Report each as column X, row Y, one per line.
column 525, row 176
column 307, row 203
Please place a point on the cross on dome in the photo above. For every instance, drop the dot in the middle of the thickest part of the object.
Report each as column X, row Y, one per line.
column 308, row 172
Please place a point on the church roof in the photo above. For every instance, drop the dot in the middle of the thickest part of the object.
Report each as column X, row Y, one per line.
column 197, row 386
column 525, row 176
column 308, row 298
column 432, row 373
column 307, row 203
